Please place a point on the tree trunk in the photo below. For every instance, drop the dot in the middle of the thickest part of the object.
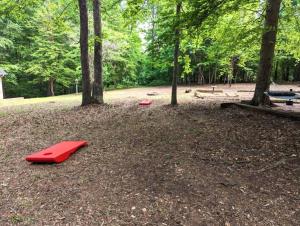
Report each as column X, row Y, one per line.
column 176, row 55
column 215, row 76
column 229, row 80
column 287, row 73
column 98, row 80
column 1, row 89
column 267, row 52
column 200, row 77
column 50, row 92
column 86, row 82
column 297, row 72
column 234, row 68
column 276, row 71
column 209, row 76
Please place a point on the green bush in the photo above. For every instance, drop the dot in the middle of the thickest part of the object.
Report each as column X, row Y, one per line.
column 158, row 82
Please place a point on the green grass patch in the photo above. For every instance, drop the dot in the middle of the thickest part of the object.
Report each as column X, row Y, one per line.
column 17, row 102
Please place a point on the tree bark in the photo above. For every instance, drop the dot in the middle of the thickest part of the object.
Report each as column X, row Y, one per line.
column 287, row 73
column 215, row 75
column 152, row 35
column 276, row 71
column 50, row 92
column 176, row 55
column 267, row 53
column 209, row 76
column 86, row 82
column 199, row 80
column 297, row 72
column 98, row 56
column 1, row 89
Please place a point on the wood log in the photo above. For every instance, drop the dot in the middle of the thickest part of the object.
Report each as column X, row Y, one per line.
column 280, row 113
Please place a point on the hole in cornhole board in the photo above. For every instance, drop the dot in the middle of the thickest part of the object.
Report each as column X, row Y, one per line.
column 48, row 154
column 145, row 103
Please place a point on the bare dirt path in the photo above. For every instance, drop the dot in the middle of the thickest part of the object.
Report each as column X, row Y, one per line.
column 232, row 94
column 195, row 164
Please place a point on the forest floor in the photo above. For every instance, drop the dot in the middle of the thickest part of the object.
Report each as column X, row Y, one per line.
column 195, row 164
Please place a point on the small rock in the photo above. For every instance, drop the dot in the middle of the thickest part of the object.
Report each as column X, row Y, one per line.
column 229, row 183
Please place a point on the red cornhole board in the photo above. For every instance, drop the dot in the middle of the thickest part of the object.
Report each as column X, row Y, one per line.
column 145, row 103
column 57, row 153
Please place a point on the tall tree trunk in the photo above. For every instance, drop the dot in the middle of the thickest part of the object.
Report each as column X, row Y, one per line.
column 267, row 52
column 209, row 76
column 234, row 68
column 215, row 75
column 297, row 72
column 152, row 35
column 199, row 80
column 50, row 92
column 86, row 82
column 229, row 80
column 176, row 55
column 287, row 73
column 98, row 80
column 276, row 71
column 1, row 89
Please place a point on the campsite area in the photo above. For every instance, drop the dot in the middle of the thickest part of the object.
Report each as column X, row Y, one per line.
column 193, row 164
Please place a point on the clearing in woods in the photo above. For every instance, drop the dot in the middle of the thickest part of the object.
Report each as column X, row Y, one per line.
column 195, row 164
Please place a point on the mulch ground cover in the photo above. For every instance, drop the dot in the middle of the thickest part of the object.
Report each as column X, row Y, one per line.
column 194, row 164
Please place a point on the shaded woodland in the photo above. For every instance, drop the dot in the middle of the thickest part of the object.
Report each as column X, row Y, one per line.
column 137, row 42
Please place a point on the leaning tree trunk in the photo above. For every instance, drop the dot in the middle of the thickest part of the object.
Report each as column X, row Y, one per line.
column 50, row 92
column 176, row 55
column 98, row 80
column 86, row 83
column 267, row 53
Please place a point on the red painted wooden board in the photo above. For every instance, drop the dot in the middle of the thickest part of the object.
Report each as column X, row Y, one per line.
column 146, row 102
column 57, row 153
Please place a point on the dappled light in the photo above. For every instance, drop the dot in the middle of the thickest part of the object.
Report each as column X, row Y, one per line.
column 133, row 112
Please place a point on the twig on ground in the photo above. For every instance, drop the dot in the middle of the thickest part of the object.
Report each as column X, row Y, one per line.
column 277, row 164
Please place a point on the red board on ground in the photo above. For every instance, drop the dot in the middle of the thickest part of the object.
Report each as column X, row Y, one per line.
column 57, row 153
column 145, row 102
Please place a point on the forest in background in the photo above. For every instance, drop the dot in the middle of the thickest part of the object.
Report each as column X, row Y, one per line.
column 39, row 44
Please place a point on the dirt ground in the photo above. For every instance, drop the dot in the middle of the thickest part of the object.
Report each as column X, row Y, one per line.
column 195, row 164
